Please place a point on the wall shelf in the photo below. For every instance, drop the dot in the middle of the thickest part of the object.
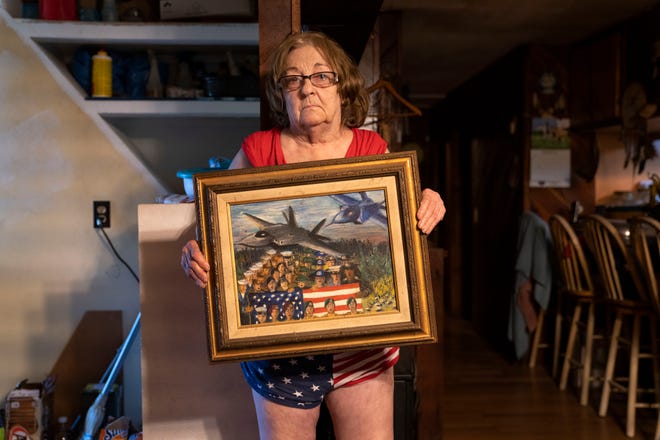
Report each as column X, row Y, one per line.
column 158, row 135
column 109, row 108
column 186, row 34
column 58, row 39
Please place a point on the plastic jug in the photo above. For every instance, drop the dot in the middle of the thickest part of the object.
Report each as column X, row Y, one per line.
column 102, row 75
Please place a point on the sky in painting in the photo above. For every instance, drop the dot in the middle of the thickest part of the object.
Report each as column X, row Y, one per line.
column 309, row 211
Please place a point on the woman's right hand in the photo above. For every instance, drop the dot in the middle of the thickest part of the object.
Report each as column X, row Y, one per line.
column 194, row 263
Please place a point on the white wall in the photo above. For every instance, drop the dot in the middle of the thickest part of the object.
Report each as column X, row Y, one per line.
column 54, row 266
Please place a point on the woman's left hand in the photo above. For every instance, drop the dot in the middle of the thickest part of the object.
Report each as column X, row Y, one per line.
column 431, row 211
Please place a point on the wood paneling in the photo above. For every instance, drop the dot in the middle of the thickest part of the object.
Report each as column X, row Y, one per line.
column 430, row 377
column 595, row 71
column 277, row 19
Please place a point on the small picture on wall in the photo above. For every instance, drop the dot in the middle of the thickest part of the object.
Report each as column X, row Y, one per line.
column 550, row 153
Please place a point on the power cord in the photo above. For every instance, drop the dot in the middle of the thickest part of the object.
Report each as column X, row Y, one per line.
column 117, row 254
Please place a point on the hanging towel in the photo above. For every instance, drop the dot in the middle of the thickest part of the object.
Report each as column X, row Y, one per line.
column 533, row 279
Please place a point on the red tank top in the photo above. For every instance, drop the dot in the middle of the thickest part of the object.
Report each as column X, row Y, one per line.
column 264, row 148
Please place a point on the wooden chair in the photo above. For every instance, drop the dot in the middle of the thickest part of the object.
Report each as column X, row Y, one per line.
column 645, row 237
column 575, row 297
column 627, row 300
column 537, row 341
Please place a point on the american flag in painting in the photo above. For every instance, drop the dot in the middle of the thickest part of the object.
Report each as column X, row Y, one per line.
column 340, row 294
column 266, row 299
column 318, row 296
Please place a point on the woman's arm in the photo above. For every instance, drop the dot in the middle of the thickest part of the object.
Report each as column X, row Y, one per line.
column 431, row 210
column 193, row 261
column 240, row 161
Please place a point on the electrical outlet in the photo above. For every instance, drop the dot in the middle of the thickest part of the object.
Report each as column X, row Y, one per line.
column 101, row 214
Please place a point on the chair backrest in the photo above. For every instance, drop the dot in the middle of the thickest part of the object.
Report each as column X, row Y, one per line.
column 571, row 261
column 645, row 237
column 618, row 270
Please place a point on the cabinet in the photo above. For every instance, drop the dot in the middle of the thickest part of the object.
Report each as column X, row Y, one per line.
column 163, row 135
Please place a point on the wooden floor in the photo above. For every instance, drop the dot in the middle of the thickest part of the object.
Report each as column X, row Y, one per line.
column 487, row 397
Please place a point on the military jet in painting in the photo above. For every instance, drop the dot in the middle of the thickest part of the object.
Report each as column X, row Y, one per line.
column 358, row 211
column 287, row 234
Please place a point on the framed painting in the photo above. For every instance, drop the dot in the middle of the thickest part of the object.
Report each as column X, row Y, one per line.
column 312, row 258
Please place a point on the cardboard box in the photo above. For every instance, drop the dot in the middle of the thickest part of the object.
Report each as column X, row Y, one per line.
column 26, row 412
column 178, row 9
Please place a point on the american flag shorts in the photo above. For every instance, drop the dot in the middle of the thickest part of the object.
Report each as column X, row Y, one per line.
column 302, row 382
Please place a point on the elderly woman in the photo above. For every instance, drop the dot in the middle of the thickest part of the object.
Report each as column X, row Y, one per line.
column 318, row 100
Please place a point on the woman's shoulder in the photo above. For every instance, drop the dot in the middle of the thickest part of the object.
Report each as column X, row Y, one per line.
column 262, row 147
column 367, row 135
column 259, row 137
column 366, row 142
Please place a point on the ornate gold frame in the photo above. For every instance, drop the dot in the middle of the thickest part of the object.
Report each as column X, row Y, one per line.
column 221, row 200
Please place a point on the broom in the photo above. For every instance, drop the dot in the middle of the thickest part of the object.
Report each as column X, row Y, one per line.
column 96, row 411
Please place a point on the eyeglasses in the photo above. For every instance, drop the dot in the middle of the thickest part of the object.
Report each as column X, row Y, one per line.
column 292, row 83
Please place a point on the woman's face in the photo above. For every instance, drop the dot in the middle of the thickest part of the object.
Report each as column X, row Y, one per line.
column 310, row 106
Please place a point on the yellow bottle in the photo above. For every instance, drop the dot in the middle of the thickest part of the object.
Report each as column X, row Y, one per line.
column 102, row 75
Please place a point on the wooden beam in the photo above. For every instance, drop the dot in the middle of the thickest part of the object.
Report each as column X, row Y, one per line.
column 277, row 19
column 295, row 16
